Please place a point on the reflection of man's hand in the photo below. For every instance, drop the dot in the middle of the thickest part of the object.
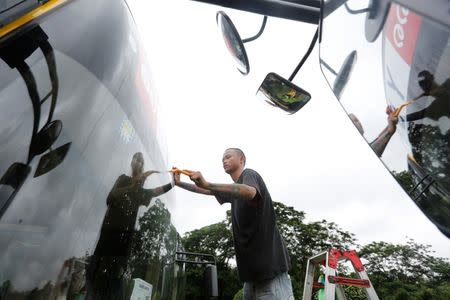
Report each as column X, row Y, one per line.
column 176, row 177
column 392, row 119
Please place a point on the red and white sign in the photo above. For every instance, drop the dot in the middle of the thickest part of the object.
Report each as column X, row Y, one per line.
column 402, row 29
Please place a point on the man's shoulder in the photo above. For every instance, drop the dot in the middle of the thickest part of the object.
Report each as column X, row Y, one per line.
column 251, row 172
column 250, row 175
column 124, row 176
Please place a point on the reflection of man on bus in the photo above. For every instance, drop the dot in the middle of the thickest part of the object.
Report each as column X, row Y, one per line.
column 428, row 128
column 109, row 261
column 440, row 105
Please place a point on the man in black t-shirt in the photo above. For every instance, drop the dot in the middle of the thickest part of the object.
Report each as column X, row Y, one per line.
column 261, row 256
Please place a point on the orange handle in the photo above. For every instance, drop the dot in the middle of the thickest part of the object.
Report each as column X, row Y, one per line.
column 399, row 109
column 178, row 171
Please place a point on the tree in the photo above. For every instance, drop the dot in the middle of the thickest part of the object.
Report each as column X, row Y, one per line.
column 215, row 239
column 155, row 239
column 397, row 271
column 405, row 179
column 408, row 270
column 304, row 240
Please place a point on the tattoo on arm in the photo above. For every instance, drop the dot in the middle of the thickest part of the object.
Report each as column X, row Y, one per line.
column 379, row 145
column 237, row 190
column 194, row 188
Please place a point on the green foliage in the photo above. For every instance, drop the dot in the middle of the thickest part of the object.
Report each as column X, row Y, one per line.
column 405, row 179
column 156, row 237
column 402, row 294
column 397, row 271
column 239, row 295
column 302, row 241
column 306, row 239
column 354, row 293
column 215, row 239
column 411, row 263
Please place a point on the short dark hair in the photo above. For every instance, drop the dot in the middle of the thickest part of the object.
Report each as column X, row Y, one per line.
column 426, row 80
column 240, row 153
column 138, row 155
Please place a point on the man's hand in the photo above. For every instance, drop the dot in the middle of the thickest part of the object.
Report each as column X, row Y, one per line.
column 198, row 179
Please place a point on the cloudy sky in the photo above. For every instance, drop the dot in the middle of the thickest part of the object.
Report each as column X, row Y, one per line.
column 313, row 160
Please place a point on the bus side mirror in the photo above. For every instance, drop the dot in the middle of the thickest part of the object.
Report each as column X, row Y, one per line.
column 282, row 93
column 233, row 42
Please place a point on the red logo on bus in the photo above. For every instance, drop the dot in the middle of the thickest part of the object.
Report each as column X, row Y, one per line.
column 402, row 29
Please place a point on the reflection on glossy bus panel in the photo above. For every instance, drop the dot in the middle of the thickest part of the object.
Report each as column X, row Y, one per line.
column 84, row 202
column 398, row 96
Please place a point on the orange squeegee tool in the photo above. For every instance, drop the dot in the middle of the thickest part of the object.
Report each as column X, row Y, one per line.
column 178, row 171
column 399, row 109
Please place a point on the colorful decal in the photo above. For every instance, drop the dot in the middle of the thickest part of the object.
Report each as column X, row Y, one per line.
column 402, row 29
column 126, row 131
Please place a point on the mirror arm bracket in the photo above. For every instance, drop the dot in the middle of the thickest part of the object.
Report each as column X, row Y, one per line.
column 357, row 11
column 305, row 57
column 261, row 30
column 328, row 67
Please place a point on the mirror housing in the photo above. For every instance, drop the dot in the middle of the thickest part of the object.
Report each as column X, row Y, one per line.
column 344, row 73
column 211, row 281
column 11, row 182
column 282, row 93
column 45, row 138
column 52, row 159
column 233, row 42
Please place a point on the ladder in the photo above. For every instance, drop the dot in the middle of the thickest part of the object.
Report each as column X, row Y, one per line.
column 333, row 284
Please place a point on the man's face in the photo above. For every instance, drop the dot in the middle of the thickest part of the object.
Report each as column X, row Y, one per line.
column 231, row 161
column 137, row 163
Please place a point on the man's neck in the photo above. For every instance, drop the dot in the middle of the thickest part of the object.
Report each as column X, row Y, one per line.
column 135, row 174
column 236, row 174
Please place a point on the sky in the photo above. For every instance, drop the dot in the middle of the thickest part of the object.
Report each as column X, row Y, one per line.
column 313, row 160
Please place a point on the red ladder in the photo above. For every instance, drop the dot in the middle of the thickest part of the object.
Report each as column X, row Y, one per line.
column 333, row 284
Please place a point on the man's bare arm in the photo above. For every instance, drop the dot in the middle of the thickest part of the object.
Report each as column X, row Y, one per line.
column 235, row 190
column 380, row 143
column 161, row 190
column 194, row 188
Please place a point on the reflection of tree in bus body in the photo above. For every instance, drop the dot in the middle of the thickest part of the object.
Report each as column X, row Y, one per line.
column 431, row 148
column 155, row 239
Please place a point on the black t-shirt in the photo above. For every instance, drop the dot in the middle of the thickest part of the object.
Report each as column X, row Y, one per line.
column 260, row 250
column 118, row 224
column 110, row 258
